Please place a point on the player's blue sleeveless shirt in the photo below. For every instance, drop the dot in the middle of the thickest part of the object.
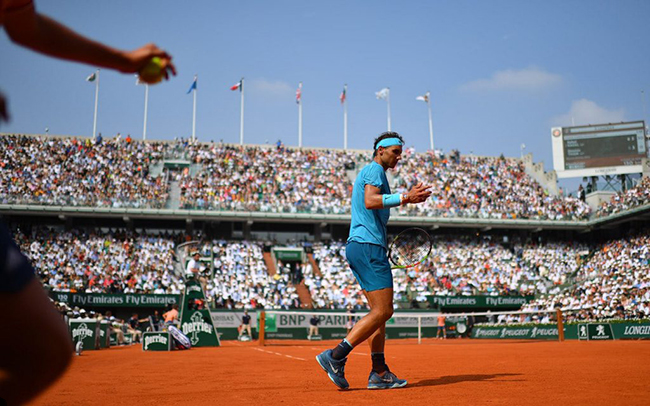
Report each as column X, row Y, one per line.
column 369, row 226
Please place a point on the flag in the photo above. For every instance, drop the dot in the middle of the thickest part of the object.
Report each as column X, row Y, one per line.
column 193, row 86
column 383, row 93
column 424, row 98
column 236, row 86
column 342, row 96
column 299, row 93
column 92, row 77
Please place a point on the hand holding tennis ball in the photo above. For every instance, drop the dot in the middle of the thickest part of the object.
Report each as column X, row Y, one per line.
column 151, row 63
column 153, row 72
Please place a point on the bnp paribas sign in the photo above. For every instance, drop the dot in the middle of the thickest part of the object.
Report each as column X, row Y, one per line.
column 197, row 323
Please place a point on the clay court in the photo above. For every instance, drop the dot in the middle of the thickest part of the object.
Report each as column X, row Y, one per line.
column 458, row 372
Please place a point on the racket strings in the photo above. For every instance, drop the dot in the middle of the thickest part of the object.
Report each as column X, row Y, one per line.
column 410, row 248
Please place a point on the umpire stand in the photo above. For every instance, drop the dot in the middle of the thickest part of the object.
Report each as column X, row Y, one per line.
column 196, row 322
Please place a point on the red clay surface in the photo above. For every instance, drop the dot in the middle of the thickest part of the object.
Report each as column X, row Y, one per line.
column 458, row 372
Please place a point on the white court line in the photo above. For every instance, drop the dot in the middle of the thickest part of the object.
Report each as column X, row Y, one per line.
column 282, row 355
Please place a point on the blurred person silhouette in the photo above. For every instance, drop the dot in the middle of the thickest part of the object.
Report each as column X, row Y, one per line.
column 40, row 344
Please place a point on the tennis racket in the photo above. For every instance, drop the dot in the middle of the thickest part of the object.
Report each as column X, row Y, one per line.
column 410, row 248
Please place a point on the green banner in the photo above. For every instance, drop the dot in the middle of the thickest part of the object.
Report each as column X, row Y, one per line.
column 196, row 323
column 288, row 254
column 631, row 330
column 114, row 300
column 482, row 302
column 539, row 332
column 583, row 331
column 156, row 341
column 595, row 331
column 87, row 331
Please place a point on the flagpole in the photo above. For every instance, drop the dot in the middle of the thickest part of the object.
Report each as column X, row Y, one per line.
column 241, row 115
column 345, row 118
column 194, row 110
column 96, row 103
column 388, row 104
column 146, row 103
column 430, row 121
column 300, row 117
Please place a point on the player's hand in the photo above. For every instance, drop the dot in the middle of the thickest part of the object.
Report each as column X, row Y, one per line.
column 4, row 109
column 418, row 193
column 138, row 59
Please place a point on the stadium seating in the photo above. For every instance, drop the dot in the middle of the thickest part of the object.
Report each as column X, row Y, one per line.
column 79, row 172
column 636, row 196
column 116, row 173
column 597, row 281
column 118, row 262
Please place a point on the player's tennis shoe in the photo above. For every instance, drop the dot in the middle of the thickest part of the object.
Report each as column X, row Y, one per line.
column 388, row 381
column 335, row 368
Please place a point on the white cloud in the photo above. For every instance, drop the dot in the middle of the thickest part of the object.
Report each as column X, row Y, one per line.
column 531, row 78
column 270, row 88
column 584, row 112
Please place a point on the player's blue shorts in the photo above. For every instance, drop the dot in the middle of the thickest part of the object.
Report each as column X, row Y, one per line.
column 369, row 264
column 15, row 270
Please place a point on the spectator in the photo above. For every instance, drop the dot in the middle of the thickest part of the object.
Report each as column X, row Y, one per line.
column 245, row 326
column 314, row 321
column 171, row 316
column 441, row 327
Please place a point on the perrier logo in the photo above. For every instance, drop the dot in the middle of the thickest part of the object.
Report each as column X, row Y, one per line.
column 196, row 326
column 81, row 332
column 151, row 339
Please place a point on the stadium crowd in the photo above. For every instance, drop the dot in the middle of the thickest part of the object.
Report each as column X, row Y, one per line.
column 115, row 173
column 80, row 172
column 481, row 187
column 335, row 287
column 317, row 181
column 590, row 282
column 241, row 278
column 102, row 262
column 456, row 266
column 614, row 282
column 268, row 179
column 636, row 196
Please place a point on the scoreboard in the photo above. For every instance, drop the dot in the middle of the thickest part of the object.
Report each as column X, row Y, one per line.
column 595, row 150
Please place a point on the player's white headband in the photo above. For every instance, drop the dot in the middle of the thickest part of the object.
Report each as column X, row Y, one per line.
column 389, row 142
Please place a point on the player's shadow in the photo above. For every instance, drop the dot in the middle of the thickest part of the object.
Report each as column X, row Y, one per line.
column 448, row 380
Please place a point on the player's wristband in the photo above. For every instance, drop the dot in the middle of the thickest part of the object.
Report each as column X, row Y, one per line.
column 393, row 200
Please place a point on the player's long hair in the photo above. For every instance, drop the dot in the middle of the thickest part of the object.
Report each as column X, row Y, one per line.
column 383, row 136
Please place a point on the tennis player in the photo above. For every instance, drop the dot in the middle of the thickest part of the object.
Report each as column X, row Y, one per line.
column 366, row 253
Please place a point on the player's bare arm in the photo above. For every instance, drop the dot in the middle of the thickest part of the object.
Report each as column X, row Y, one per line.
column 42, row 34
column 373, row 197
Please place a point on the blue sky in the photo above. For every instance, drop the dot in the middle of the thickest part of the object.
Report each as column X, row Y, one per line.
column 500, row 73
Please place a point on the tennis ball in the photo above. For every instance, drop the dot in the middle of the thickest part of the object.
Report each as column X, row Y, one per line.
column 152, row 72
